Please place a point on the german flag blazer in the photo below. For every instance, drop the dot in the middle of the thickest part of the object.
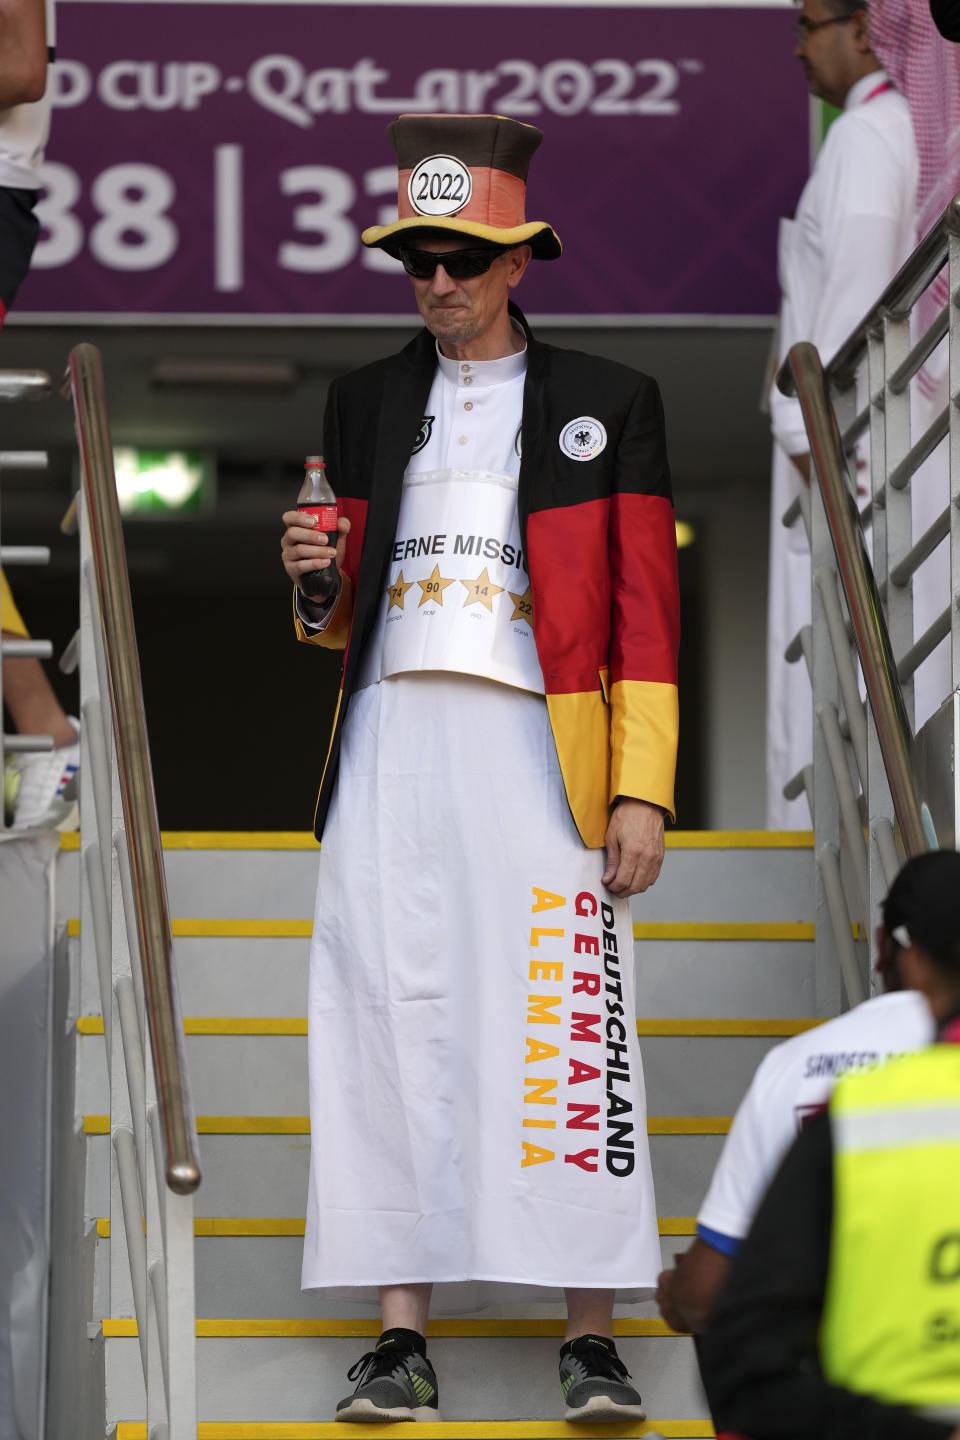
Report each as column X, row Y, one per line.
column 600, row 543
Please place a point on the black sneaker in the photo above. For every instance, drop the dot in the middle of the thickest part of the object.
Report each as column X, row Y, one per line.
column 594, row 1382
column 394, row 1382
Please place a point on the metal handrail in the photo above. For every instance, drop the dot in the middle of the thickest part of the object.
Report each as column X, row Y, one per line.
column 182, row 1164
column 894, row 732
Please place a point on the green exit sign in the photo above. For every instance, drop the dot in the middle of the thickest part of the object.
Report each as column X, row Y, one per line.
column 154, row 483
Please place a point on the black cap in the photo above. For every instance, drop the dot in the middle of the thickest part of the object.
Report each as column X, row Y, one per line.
column 923, row 906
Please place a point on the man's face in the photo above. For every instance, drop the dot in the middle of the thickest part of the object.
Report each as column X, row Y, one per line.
column 459, row 311
column 828, row 53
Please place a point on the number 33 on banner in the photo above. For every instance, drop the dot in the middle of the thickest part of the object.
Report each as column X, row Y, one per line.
column 135, row 231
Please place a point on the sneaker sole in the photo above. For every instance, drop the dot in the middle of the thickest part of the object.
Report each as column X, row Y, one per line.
column 364, row 1412
column 601, row 1410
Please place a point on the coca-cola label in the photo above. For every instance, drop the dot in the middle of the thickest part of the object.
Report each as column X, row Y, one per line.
column 326, row 516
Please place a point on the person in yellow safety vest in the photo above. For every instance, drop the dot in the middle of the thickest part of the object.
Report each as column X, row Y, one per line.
column 841, row 1316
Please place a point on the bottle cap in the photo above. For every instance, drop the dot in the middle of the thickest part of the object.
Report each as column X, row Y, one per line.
column 312, row 461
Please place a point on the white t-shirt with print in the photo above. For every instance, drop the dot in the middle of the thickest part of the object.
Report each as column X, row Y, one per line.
column 793, row 1083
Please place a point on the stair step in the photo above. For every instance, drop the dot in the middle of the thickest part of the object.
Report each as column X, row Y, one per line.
column 297, row 1026
column 122, row 1327
column 429, row 1430
column 300, row 1124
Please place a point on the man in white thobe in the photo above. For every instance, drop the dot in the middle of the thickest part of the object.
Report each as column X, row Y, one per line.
column 853, row 229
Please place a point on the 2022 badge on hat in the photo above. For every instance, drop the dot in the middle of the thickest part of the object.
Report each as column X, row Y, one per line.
column 466, row 174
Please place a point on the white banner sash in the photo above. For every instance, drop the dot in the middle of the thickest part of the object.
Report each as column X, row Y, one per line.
column 458, row 593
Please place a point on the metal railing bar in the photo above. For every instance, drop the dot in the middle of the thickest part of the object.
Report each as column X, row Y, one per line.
column 849, row 804
column 799, row 783
column 795, row 649
column 858, row 427
column 921, row 451
column 134, row 1067
column 123, row 1145
column 24, row 459
column 920, row 353
column 925, row 646
column 68, row 525
column 27, row 649
column 887, row 846
column 856, row 574
column 791, row 515
column 100, row 774
column 133, row 939
column 856, row 720
column 100, row 910
column 158, row 1284
column 182, row 1170
column 806, row 646
column 925, row 546
column 156, row 1142
column 70, row 658
column 27, row 744
column 24, row 384
column 24, row 555
column 829, row 861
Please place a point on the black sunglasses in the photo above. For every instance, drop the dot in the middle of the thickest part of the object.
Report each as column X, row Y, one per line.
column 459, row 264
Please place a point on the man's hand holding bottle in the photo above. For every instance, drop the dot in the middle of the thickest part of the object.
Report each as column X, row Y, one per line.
column 305, row 551
column 315, row 538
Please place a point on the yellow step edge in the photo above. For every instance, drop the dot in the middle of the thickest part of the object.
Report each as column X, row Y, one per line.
column 304, row 840
column 295, row 1025
column 300, row 1124
column 217, row 1025
column 221, row 840
column 710, row 930
column 427, row 1430
column 739, row 839
column 187, row 928
column 126, row 1329
column 202, row 929
column 273, row 1226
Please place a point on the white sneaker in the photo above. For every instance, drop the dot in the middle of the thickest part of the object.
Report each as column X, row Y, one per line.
column 46, row 795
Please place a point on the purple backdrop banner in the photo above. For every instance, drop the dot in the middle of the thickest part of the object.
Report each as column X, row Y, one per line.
column 212, row 159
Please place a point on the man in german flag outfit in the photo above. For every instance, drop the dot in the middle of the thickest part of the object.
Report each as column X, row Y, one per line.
column 501, row 763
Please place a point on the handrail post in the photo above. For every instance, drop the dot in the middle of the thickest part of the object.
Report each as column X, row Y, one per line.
column 890, row 440
column 825, row 801
column 866, row 615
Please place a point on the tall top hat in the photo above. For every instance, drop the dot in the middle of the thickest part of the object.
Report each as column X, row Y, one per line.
column 466, row 174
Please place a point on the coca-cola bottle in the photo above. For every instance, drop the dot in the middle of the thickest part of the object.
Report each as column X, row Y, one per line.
column 317, row 498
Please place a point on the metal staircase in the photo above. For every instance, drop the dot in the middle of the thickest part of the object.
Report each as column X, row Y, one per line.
column 725, row 966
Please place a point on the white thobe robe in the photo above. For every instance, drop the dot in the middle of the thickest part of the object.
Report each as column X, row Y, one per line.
column 853, row 229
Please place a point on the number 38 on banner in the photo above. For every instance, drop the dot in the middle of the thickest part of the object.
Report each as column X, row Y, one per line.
column 135, row 230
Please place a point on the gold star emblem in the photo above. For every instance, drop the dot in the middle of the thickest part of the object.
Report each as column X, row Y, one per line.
column 433, row 588
column 522, row 606
column 397, row 591
column 481, row 591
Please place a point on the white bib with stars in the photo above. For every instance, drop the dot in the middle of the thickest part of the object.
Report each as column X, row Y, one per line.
column 457, row 595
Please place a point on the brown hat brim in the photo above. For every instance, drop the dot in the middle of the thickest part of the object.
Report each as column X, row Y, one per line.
column 542, row 240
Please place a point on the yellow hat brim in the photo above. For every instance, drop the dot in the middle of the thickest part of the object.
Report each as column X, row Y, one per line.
column 543, row 241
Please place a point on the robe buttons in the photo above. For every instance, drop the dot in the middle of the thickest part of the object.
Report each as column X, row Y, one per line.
column 462, row 440
column 468, row 405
